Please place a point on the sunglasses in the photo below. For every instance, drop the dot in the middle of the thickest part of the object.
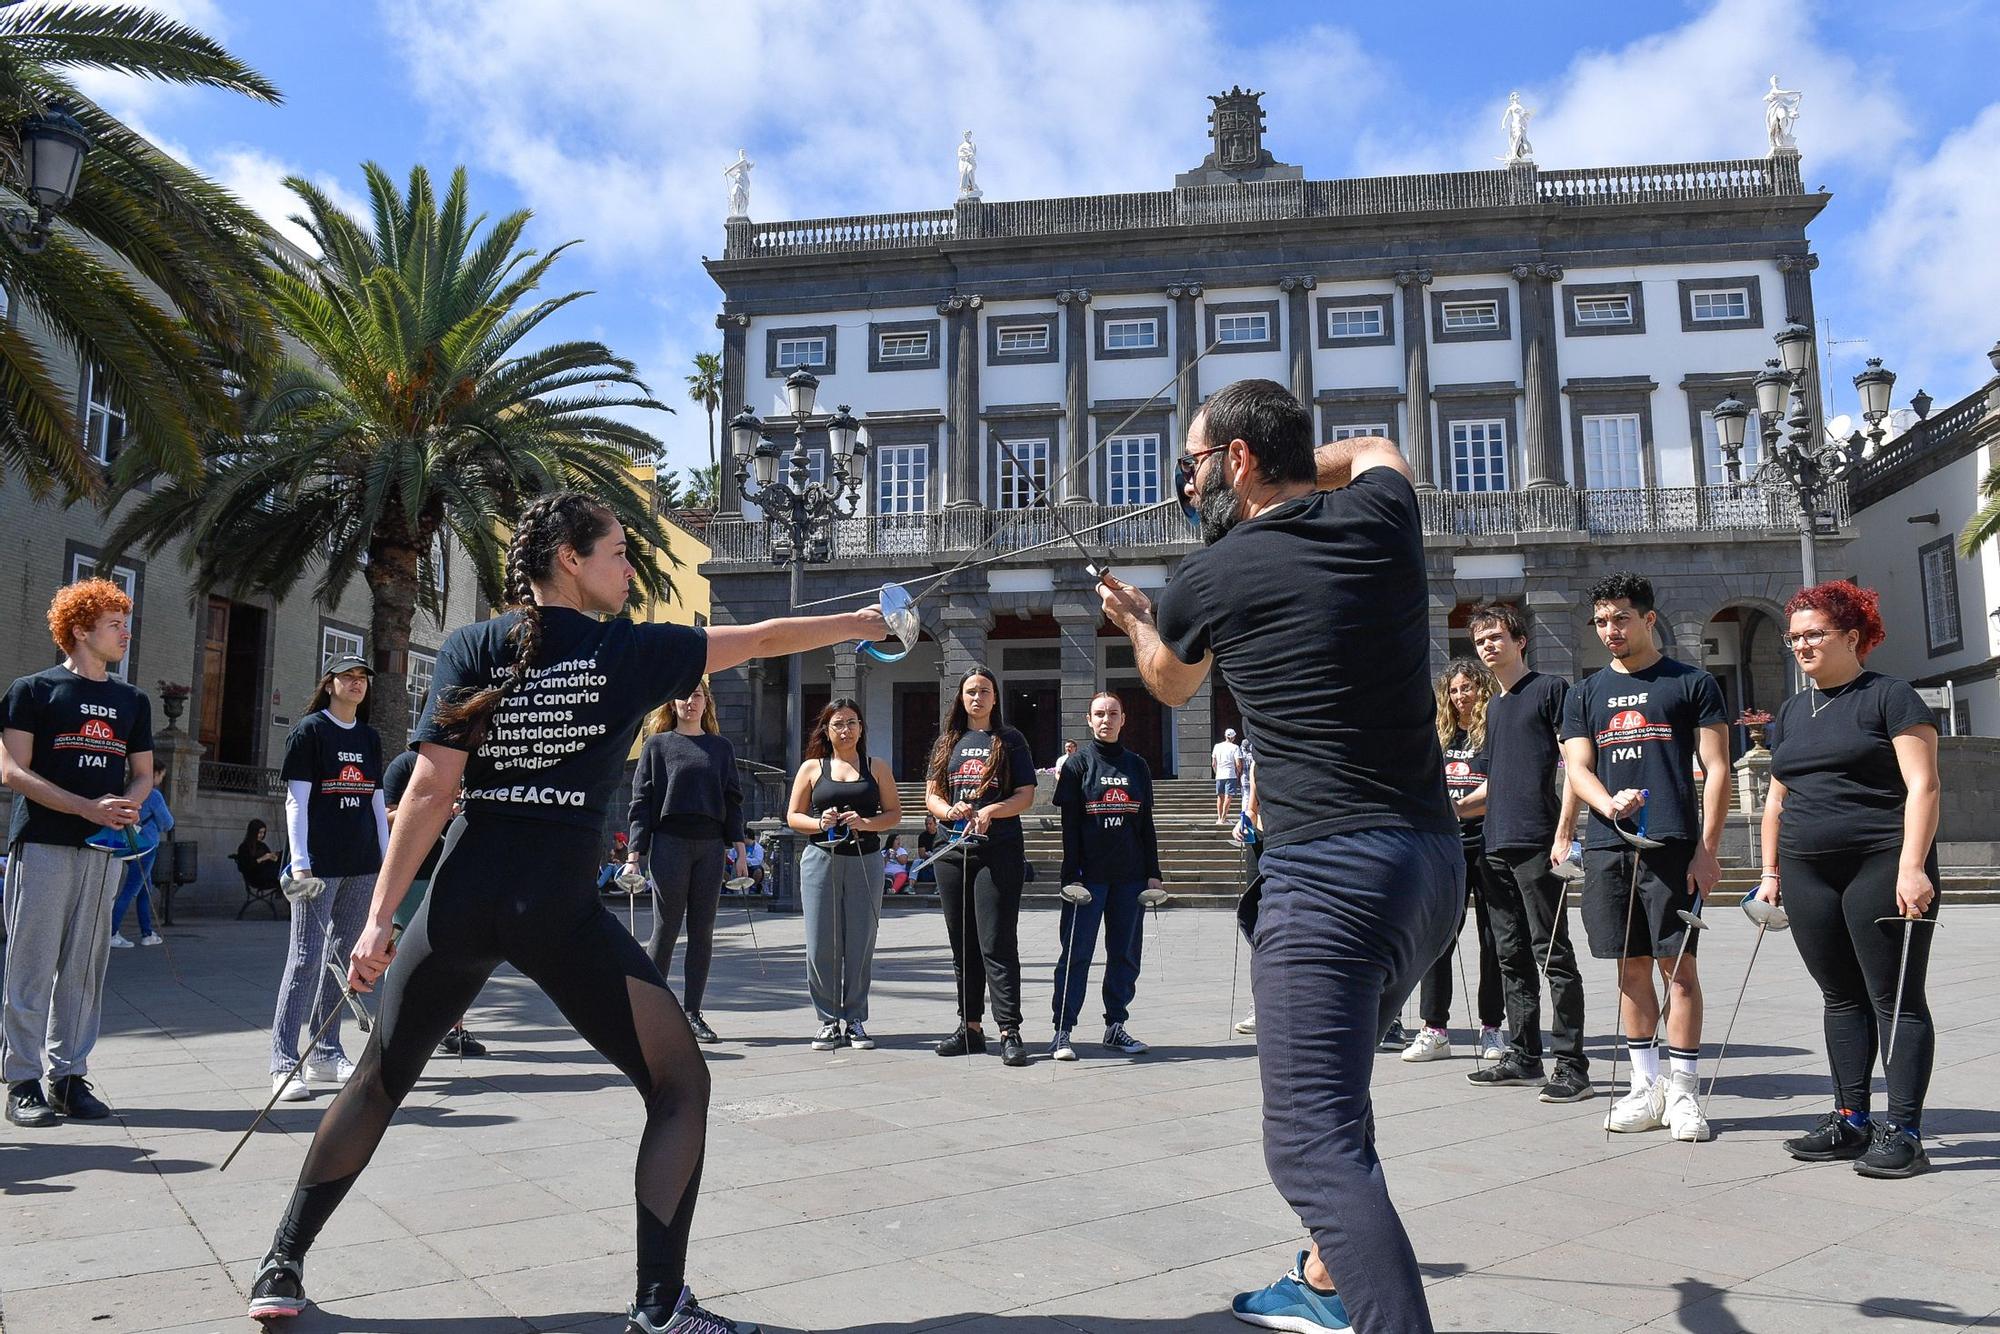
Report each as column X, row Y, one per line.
column 1187, row 464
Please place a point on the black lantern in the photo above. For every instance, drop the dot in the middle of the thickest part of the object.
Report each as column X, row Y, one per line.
column 52, row 147
column 801, row 387
column 1731, row 415
column 1873, row 384
column 744, row 433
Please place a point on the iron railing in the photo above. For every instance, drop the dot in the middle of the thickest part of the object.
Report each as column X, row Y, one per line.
column 250, row 780
column 1937, row 439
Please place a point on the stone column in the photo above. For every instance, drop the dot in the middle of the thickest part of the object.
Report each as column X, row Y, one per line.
column 1075, row 488
column 1194, row 733
column 754, row 673
column 1187, row 346
column 176, row 771
column 1078, row 613
column 846, row 672
column 962, row 625
column 1299, row 339
column 961, row 414
column 1555, row 622
column 735, row 379
column 1798, row 270
column 1410, row 284
column 1541, row 417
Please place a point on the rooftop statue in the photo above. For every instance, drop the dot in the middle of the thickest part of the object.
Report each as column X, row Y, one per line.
column 1781, row 112
column 737, row 174
column 1515, row 120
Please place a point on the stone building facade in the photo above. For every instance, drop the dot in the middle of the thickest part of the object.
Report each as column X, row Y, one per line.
column 1544, row 345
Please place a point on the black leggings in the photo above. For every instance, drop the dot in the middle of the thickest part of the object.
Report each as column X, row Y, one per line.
column 1434, row 995
column 524, row 893
column 687, row 882
column 1833, row 903
column 991, row 956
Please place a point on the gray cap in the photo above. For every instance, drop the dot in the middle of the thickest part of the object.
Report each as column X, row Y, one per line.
column 347, row 662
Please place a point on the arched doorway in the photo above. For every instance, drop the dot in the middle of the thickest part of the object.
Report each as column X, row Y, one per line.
column 1748, row 661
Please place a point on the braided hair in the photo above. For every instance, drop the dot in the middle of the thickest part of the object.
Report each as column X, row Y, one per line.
column 561, row 519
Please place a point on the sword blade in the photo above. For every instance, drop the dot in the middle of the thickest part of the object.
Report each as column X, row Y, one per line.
column 1896, row 1015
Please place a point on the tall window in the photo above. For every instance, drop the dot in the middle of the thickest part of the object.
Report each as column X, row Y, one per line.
column 1603, row 310
column 902, row 479
column 1354, row 322
column 1250, row 328
column 1131, row 334
column 1355, row 432
column 83, row 567
column 423, row 666
column 103, row 420
column 1937, row 569
column 801, row 352
column 904, row 346
column 1021, row 338
column 1025, row 483
column 1612, row 456
column 1464, row 316
column 335, row 643
column 1714, row 466
column 1479, row 455
column 1719, row 303
column 1133, row 462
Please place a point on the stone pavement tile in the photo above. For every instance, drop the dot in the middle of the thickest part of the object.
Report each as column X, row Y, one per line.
column 750, row 1261
column 1543, row 1211
column 340, row 1273
column 1972, row 1204
column 932, row 1226
column 1447, row 1244
column 447, row 1211
column 1479, row 1304
column 196, row 1293
column 572, row 1295
column 1962, row 1245
column 1633, row 1288
column 39, row 1264
column 1755, row 1307
column 131, row 1201
column 1189, row 1300
column 466, row 1170
column 447, row 1308
column 243, row 1232
column 1040, row 1267
column 834, row 1193
column 124, row 1078
column 822, row 1128
column 1857, row 1273
column 848, row 1297
column 497, row 1247
column 1181, row 1235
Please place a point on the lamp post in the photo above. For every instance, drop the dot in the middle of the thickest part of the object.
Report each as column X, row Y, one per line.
column 52, row 147
column 1792, row 459
column 798, row 512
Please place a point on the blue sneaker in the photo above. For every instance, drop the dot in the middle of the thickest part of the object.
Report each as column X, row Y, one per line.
column 1289, row 1304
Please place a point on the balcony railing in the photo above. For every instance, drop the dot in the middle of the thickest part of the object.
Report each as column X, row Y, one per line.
column 1945, row 435
column 1744, row 509
column 249, row 780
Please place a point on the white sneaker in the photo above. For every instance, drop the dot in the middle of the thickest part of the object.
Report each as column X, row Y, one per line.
column 1060, row 1049
column 290, row 1090
column 154, row 939
column 119, row 942
column 1492, row 1045
column 1641, row 1109
column 1683, row 1109
column 335, row 1074
column 1248, row 1023
column 1428, row 1045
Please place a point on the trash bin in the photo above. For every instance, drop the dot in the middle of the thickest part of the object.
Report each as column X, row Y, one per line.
column 782, row 846
column 184, row 868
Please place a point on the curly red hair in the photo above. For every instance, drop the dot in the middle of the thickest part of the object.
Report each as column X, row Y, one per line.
column 1848, row 606
column 79, row 606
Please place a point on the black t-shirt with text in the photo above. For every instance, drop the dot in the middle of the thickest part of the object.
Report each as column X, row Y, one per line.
column 1317, row 613
column 968, row 777
column 1465, row 768
column 86, row 733
column 1522, row 800
column 395, row 782
column 1644, row 726
column 1105, row 794
column 557, row 745
column 1844, row 791
column 344, row 767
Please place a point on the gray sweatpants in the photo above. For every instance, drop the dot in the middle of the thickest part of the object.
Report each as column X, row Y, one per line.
column 58, row 940
column 308, row 990
column 843, row 907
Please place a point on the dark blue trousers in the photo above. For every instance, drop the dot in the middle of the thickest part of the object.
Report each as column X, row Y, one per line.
column 1347, row 926
column 1116, row 906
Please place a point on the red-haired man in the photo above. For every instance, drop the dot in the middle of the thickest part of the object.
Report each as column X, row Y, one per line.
column 79, row 757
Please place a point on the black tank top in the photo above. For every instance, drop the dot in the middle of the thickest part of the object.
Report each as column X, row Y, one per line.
column 863, row 797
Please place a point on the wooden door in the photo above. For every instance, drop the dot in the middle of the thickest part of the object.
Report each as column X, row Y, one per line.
column 917, row 708
column 1145, row 731
column 214, row 671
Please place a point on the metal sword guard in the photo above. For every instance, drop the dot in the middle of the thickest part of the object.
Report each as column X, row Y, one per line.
column 900, row 611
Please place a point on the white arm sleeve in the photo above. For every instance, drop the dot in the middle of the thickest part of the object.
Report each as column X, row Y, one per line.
column 297, row 793
column 382, row 822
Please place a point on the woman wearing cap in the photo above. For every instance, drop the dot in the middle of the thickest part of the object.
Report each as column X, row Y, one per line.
column 338, row 825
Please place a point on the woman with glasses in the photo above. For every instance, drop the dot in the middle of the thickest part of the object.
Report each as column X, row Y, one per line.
column 842, row 800
column 1848, row 841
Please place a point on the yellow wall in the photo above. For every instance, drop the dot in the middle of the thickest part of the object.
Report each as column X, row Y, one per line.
column 689, row 599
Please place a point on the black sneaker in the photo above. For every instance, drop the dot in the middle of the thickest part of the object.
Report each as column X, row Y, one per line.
column 280, row 1289
column 71, row 1096
column 1395, row 1039
column 1012, row 1050
column 1569, row 1085
column 685, row 1317
column 1508, row 1070
column 963, row 1041
column 1832, row 1139
column 702, row 1032
column 458, row 1042
column 1892, row 1152
column 27, row 1108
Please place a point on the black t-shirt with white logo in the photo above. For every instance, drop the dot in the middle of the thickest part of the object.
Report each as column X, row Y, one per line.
column 557, row 745
column 1844, row 791
column 1465, row 769
column 1105, row 794
column 1318, row 615
column 1522, row 802
column 1644, row 726
column 344, row 767
column 395, row 782
column 85, row 734
column 970, row 777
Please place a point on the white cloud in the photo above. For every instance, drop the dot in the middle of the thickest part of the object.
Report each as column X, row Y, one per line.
column 128, row 98
column 258, row 179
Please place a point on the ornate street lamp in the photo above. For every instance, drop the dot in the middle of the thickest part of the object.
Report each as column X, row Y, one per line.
column 52, row 147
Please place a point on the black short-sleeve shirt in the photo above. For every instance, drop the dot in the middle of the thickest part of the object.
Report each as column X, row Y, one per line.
column 557, row 745
column 1522, row 801
column 966, row 778
column 1844, row 791
column 1318, row 614
column 1644, row 726
column 395, row 782
column 85, row 735
column 344, row 767
column 1465, row 768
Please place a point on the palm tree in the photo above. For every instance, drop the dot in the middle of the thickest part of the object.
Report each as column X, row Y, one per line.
column 150, row 274
column 1985, row 525
column 703, row 492
column 705, row 388
column 423, row 421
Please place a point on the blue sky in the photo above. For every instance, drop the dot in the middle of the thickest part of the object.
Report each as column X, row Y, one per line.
column 613, row 119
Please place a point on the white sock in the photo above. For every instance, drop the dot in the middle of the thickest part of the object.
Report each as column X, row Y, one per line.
column 1645, row 1061
column 1681, row 1060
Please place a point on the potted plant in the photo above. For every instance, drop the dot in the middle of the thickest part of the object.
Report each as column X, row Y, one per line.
column 1754, row 721
column 173, row 700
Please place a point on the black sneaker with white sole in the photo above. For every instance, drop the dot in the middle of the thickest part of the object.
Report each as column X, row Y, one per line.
column 280, row 1289
column 829, row 1037
column 458, row 1042
column 1508, row 1070
column 686, row 1316
column 1395, row 1039
column 27, row 1108
column 965, row 1040
column 1833, row 1139
column 1892, row 1152
column 1568, row 1084
column 702, row 1032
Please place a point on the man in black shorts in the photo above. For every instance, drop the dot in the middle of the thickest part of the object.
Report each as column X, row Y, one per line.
column 1311, row 600
column 1631, row 732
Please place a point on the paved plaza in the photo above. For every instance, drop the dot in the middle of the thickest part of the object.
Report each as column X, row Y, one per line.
column 894, row 1191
